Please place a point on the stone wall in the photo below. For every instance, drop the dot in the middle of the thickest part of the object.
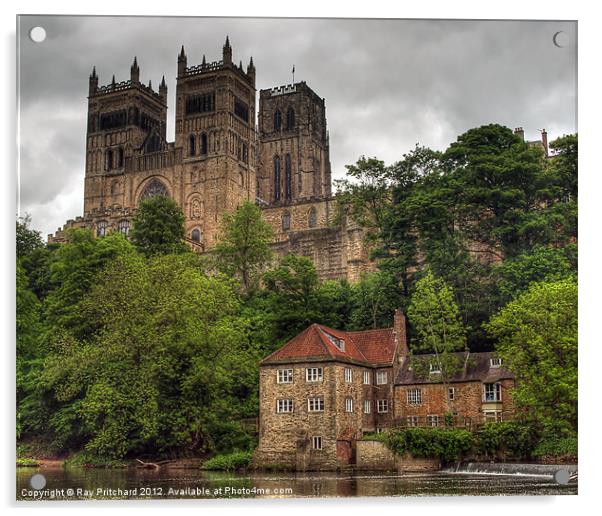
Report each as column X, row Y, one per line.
column 374, row 456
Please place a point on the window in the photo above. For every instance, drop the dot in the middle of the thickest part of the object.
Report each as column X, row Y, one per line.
column 495, row 362
column 381, row 377
column 315, row 404
column 204, row 147
column 366, row 377
column 434, row 368
column 286, row 221
column 109, row 160
column 290, row 119
column 432, row 420
column 101, row 228
column 196, row 235
column 313, row 218
column 120, row 157
column 348, row 404
column 414, row 396
column 367, row 406
column 492, row 416
column 316, row 442
column 241, row 110
column 277, row 120
column 191, row 145
column 154, row 187
column 339, row 343
column 412, row 421
column 451, row 393
column 314, row 374
column 204, row 103
column 287, row 177
column 348, row 374
column 124, row 227
column 382, row 406
column 285, row 376
column 284, row 406
column 276, row 178
column 492, row 392
column 380, row 430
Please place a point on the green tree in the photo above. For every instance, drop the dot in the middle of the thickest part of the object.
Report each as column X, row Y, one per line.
column 374, row 300
column 243, row 247
column 436, row 321
column 537, row 340
column 28, row 239
column 158, row 227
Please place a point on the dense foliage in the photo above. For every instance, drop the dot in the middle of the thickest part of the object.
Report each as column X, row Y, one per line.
column 141, row 347
column 229, row 461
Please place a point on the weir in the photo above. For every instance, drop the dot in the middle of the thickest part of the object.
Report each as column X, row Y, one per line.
column 509, row 468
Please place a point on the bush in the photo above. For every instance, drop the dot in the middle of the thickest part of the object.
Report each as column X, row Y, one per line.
column 229, row 461
column 26, row 462
column 447, row 444
column 508, row 438
column 88, row 460
column 557, row 447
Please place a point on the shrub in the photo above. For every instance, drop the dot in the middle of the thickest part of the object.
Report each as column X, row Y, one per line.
column 229, row 461
column 26, row 462
column 88, row 460
column 447, row 444
column 509, row 438
column 557, row 447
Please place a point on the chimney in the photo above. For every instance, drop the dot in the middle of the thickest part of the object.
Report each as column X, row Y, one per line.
column 399, row 328
column 544, row 141
column 520, row 132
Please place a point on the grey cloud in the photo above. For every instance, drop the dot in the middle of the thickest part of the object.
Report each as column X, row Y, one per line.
column 388, row 84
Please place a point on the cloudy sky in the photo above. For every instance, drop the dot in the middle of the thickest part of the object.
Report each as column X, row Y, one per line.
column 388, row 84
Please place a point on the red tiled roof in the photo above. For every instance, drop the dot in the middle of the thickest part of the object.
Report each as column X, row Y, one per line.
column 372, row 347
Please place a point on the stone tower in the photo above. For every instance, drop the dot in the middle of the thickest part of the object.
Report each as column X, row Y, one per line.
column 124, row 119
column 215, row 128
column 295, row 160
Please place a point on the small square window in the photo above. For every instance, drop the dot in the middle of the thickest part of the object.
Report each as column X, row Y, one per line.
column 414, row 396
column 382, row 406
column 316, row 442
column 284, row 406
column 434, row 368
column 315, row 404
column 432, row 420
column 492, row 392
column 412, row 420
column 348, row 404
column 495, row 362
column 314, row 374
column 381, row 377
column 285, row 376
column 451, row 393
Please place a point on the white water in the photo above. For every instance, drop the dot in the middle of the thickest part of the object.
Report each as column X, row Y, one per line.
column 504, row 468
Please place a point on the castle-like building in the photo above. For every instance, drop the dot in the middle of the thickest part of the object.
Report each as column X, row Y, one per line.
column 219, row 159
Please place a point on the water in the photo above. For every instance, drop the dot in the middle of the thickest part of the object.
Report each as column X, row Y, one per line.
column 81, row 483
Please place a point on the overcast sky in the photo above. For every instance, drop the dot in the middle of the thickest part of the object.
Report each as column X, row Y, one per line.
column 388, row 84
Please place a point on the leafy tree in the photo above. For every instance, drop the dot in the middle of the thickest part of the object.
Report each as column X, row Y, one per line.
column 374, row 299
column 28, row 239
column 243, row 247
column 158, row 227
column 436, row 321
column 537, row 340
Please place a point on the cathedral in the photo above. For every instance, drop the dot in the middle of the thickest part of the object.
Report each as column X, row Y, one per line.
column 218, row 159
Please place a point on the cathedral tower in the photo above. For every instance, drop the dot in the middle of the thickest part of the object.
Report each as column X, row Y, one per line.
column 124, row 119
column 215, row 129
column 295, row 160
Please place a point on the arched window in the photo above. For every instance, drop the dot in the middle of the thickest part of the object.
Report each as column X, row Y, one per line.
column 287, row 177
column 101, row 228
column 277, row 120
column 290, row 119
column 124, row 227
column 191, row 146
column 276, row 178
column 313, row 217
column 204, row 146
column 195, row 235
column 120, row 157
column 154, row 188
column 109, row 160
column 286, row 221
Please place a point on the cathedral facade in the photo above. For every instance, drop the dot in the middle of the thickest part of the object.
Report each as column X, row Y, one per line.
column 218, row 159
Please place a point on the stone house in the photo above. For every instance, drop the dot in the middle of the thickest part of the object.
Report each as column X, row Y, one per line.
column 323, row 390
column 477, row 390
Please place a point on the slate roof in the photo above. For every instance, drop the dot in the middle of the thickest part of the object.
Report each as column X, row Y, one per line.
column 476, row 368
column 372, row 347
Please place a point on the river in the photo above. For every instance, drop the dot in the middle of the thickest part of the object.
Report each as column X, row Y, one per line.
column 82, row 483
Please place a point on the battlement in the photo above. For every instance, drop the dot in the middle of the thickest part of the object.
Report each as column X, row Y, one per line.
column 204, row 67
column 282, row 90
column 123, row 86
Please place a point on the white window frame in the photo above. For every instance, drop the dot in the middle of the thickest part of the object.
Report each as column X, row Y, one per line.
column 284, row 376
column 367, row 406
column 414, row 396
column 497, row 393
column 348, row 404
column 285, row 406
column 366, row 377
column 432, row 418
column 314, row 374
column 497, row 416
column 434, row 369
column 379, row 377
column 382, row 406
column 495, row 362
column 348, row 374
column 451, row 393
column 315, row 404
column 412, row 421
column 316, row 442
column 380, row 430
